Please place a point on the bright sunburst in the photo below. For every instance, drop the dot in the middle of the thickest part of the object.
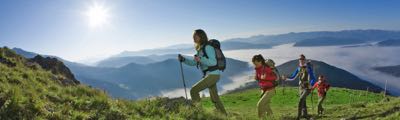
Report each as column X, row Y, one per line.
column 98, row 15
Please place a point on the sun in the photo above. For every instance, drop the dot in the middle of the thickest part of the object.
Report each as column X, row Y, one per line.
column 98, row 15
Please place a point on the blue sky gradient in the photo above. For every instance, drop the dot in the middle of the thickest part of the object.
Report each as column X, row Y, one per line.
column 59, row 27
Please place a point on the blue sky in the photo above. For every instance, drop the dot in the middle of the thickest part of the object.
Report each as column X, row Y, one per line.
column 61, row 27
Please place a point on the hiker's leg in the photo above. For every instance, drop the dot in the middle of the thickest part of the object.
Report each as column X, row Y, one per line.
column 304, row 109
column 320, row 102
column 269, row 93
column 204, row 83
column 261, row 106
column 305, row 113
column 319, row 105
column 215, row 99
column 302, row 104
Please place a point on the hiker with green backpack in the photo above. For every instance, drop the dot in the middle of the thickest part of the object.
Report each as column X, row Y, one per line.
column 267, row 77
column 211, row 61
column 305, row 73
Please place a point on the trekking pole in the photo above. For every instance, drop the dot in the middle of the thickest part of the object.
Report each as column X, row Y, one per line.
column 312, row 92
column 283, row 84
column 312, row 100
column 262, row 94
column 283, row 89
column 367, row 94
column 384, row 93
column 183, row 79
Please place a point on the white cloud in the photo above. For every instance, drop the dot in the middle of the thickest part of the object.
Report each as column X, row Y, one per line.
column 237, row 81
column 357, row 60
column 180, row 92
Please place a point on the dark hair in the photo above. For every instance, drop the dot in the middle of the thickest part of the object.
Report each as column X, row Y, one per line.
column 259, row 58
column 202, row 35
column 321, row 76
column 302, row 57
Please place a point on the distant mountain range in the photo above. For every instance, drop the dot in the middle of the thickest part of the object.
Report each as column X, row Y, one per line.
column 391, row 70
column 350, row 38
column 135, row 80
column 336, row 77
column 150, row 79
column 122, row 61
column 318, row 38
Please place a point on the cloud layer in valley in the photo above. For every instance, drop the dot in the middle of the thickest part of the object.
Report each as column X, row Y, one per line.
column 357, row 60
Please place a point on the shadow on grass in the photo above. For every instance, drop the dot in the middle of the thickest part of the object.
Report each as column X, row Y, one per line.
column 383, row 114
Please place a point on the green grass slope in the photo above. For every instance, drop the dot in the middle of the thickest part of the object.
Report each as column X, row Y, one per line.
column 340, row 104
column 27, row 91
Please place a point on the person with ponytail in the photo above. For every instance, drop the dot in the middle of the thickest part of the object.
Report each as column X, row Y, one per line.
column 210, row 77
column 266, row 77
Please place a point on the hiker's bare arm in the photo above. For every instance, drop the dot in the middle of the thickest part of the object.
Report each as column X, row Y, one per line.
column 211, row 60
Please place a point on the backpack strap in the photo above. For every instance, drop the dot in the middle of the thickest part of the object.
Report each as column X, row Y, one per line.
column 211, row 68
column 203, row 49
column 263, row 71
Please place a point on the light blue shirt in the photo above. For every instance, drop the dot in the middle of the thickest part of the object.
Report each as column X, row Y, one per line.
column 204, row 61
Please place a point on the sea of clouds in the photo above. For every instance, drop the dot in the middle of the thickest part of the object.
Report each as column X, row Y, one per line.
column 357, row 60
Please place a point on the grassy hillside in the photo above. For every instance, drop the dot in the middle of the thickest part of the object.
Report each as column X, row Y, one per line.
column 340, row 103
column 132, row 81
column 27, row 91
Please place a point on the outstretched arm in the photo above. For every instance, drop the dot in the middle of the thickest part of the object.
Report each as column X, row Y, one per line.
column 189, row 61
column 315, row 85
column 294, row 75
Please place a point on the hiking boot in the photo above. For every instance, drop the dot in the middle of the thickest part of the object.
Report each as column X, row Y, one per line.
column 320, row 112
column 306, row 116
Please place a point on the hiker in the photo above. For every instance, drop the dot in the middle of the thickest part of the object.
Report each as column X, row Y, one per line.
column 267, row 76
column 306, row 77
column 322, row 87
column 208, row 57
